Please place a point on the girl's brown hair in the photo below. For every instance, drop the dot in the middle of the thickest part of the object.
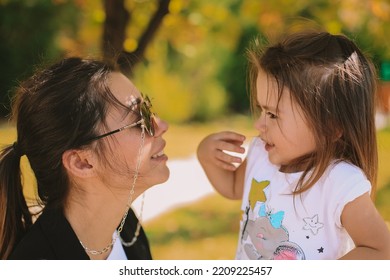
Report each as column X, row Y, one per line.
column 335, row 85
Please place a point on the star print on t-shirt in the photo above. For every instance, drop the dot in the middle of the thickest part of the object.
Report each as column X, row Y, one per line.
column 257, row 192
column 312, row 224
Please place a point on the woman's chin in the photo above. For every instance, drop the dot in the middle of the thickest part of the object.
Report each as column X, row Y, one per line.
column 162, row 177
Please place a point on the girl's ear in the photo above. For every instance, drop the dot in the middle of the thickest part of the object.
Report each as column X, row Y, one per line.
column 78, row 162
column 338, row 134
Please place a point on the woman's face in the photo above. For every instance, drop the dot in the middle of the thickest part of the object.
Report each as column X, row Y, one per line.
column 124, row 146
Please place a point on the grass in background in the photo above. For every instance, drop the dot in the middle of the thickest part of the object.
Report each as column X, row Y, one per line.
column 206, row 229
column 383, row 195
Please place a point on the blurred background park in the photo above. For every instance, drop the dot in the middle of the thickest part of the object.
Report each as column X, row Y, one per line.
column 189, row 56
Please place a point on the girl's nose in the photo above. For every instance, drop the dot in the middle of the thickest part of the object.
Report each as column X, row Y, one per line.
column 160, row 126
column 260, row 124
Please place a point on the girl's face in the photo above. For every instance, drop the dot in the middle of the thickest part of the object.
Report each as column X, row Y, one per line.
column 282, row 125
column 125, row 145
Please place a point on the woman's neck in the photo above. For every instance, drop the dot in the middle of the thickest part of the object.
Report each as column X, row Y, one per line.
column 94, row 217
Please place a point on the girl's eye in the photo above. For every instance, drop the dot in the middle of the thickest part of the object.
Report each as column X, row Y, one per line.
column 271, row 116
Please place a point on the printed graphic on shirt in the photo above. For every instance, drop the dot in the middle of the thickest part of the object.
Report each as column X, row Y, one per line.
column 257, row 192
column 263, row 234
column 312, row 224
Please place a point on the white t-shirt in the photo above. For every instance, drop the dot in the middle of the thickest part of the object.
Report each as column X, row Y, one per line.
column 275, row 225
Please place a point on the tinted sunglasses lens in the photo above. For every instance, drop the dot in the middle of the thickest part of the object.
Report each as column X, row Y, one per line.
column 147, row 115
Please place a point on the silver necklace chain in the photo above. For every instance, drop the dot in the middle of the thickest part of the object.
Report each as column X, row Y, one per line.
column 137, row 231
column 128, row 206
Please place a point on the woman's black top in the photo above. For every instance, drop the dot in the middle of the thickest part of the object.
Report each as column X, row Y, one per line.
column 52, row 238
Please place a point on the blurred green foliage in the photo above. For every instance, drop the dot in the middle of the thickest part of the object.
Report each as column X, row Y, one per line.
column 195, row 68
column 28, row 30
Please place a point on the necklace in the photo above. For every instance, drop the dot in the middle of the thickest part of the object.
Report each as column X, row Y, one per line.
column 128, row 206
column 137, row 231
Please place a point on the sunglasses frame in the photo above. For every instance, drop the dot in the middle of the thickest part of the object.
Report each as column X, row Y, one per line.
column 147, row 119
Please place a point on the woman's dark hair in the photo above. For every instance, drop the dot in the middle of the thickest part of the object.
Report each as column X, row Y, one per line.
column 335, row 84
column 57, row 109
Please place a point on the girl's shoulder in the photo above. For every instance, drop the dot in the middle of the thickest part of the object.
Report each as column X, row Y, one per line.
column 345, row 180
column 343, row 170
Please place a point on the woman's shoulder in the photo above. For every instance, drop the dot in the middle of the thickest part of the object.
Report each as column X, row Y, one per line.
column 33, row 246
column 50, row 238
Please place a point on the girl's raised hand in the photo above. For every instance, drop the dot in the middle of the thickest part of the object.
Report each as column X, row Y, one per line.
column 216, row 148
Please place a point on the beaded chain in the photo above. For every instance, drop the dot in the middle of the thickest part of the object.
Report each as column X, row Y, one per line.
column 129, row 202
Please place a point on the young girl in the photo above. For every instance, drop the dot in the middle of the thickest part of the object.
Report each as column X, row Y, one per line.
column 94, row 146
column 306, row 182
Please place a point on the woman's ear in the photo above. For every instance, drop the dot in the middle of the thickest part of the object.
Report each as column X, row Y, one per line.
column 78, row 162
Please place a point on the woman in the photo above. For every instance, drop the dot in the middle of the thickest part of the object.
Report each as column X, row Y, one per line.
column 94, row 147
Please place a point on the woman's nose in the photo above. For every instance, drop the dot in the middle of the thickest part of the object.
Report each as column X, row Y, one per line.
column 160, row 126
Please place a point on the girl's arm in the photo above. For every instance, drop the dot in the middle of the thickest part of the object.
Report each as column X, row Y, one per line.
column 219, row 166
column 367, row 229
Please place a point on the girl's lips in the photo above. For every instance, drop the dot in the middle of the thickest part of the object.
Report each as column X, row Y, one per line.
column 268, row 147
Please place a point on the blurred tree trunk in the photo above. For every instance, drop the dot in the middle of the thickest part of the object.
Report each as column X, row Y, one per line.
column 114, row 28
column 114, row 33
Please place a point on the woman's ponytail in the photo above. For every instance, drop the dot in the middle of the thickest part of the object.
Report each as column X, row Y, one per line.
column 15, row 217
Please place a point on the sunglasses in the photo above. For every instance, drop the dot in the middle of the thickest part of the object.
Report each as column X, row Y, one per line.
column 146, row 122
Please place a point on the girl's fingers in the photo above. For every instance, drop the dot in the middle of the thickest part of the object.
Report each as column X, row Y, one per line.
column 224, row 157
column 230, row 136
column 231, row 147
column 226, row 166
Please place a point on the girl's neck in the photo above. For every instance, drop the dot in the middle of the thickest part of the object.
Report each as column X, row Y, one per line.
column 298, row 165
column 289, row 169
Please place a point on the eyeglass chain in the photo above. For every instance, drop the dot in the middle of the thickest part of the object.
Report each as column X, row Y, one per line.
column 129, row 202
